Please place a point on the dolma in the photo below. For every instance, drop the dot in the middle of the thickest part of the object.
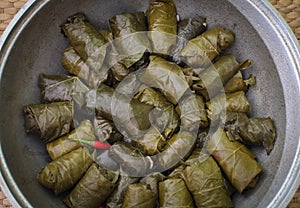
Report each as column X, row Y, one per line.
column 49, row 120
column 213, row 79
column 187, row 30
column 166, row 76
column 163, row 126
column 75, row 65
column 131, row 41
column 131, row 159
column 231, row 102
column 202, row 50
column 129, row 115
column 152, row 180
column 86, row 40
column 56, row 88
column 64, row 144
column 176, row 150
column 152, row 97
column 251, row 131
column 162, row 25
column 174, row 193
column 192, row 111
column 139, row 195
column 116, row 198
column 152, row 141
column 238, row 83
column 64, row 172
column 204, row 180
column 105, row 130
column 93, row 188
column 237, row 162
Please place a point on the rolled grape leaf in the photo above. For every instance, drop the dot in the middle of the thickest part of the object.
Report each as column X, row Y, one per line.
column 202, row 50
column 192, row 110
column 93, row 188
column 130, row 42
column 152, row 180
column 238, row 83
column 129, row 115
column 73, row 63
column 251, row 131
column 100, row 101
column 237, row 162
column 117, row 197
column 176, row 150
column 64, row 144
column 64, row 172
column 55, row 88
column 162, row 24
column 204, row 180
column 105, row 130
column 231, row 102
column 132, row 161
column 165, row 75
column 187, row 30
column 174, row 193
column 152, row 97
column 139, row 195
column 213, row 79
column 163, row 126
column 49, row 120
column 86, row 40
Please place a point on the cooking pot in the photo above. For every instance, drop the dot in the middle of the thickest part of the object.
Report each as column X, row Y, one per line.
column 33, row 44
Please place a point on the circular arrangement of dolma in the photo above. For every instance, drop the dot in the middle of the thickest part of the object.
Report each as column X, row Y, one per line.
column 150, row 113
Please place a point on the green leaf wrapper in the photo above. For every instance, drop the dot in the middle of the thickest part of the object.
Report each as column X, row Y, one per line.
column 213, row 79
column 63, row 173
column 162, row 24
column 187, row 30
column 139, row 195
column 93, row 188
column 131, row 159
column 64, row 144
column 73, row 63
column 130, row 115
column 231, row 102
column 117, row 197
column 86, row 40
column 55, row 88
column 192, row 110
column 105, row 130
column 174, row 193
column 165, row 75
column 237, row 162
column 130, row 44
column 202, row 50
column 204, row 180
column 49, row 120
column 152, row 180
column 251, row 131
column 163, row 126
column 238, row 83
column 175, row 151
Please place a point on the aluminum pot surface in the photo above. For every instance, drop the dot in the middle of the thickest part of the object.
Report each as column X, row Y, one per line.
column 33, row 44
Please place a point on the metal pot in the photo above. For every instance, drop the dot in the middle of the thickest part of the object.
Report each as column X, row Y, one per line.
column 33, row 44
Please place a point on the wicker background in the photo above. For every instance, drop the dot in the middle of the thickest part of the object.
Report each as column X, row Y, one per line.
column 289, row 9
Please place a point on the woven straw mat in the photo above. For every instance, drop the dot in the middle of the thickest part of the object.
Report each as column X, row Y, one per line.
column 289, row 9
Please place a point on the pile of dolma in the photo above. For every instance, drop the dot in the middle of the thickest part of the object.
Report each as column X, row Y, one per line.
column 174, row 112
